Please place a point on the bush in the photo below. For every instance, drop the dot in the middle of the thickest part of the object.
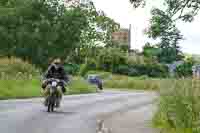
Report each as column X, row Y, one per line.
column 184, row 70
column 121, row 69
column 16, row 68
column 133, row 72
column 72, row 69
column 151, row 70
column 110, row 58
column 89, row 65
column 83, row 69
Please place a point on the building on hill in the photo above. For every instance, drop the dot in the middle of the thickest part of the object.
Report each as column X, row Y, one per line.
column 123, row 37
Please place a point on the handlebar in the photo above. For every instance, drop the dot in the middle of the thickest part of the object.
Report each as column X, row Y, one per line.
column 57, row 80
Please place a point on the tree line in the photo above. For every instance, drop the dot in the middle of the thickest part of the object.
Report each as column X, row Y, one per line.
column 38, row 30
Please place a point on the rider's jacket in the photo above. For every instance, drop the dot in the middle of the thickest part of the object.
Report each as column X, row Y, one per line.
column 58, row 73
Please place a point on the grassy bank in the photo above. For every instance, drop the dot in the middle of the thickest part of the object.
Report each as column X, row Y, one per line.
column 12, row 89
column 20, row 79
column 133, row 83
column 179, row 107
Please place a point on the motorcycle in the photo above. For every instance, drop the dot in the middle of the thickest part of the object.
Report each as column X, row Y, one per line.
column 52, row 99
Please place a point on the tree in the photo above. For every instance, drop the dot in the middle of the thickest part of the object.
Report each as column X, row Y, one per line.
column 110, row 58
column 150, row 50
column 178, row 9
column 97, row 31
column 41, row 29
column 163, row 26
column 138, row 3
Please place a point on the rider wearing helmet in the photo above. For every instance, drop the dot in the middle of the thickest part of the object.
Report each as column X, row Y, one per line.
column 55, row 70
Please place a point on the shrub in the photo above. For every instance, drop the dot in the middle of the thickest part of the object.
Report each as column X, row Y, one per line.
column 72, row 69
column 83, row 69
column 184, row 70
column 133, row 72
column 16, row 68
column 109, row 58
column 89, row 65
column 121, row 69
column 151, row 70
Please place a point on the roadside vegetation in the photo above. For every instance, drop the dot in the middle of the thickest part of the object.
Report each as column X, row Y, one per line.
column 33, row 32
column 21, row 80
column 178, row 107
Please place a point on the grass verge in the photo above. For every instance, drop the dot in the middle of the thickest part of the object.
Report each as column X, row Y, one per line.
column 13, row 89
column 179, row 107
column 131, row 83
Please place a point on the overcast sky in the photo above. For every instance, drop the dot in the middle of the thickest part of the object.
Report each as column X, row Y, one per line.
column 122, row 12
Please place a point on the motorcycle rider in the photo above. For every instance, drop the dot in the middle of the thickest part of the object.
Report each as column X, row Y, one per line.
column 55, row 70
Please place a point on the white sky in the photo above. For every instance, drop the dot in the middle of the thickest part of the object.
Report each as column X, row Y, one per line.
column 122, row 12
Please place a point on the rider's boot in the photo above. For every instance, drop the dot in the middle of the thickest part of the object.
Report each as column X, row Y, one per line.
column 46, row 94
column 46, row 101
column 59, row 97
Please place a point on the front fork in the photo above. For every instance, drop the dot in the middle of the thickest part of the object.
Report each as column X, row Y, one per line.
column 47, row 92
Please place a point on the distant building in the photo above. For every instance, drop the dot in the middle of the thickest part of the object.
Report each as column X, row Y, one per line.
column 123, row 37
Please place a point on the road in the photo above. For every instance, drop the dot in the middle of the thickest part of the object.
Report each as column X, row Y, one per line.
column 78, row 114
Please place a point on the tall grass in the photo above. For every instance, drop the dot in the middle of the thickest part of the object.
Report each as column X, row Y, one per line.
column 124, row 82
column 14, row 68
column 19, row 79
column 179, row 107
column 12, row 89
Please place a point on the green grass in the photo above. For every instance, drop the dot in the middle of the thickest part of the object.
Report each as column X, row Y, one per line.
column 20, row 79
column 80, row 86
column 12, row 89
column 124, row 82
column 16, row 69
column 179, row 107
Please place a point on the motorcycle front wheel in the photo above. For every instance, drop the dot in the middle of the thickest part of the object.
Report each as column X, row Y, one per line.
column 51, row 103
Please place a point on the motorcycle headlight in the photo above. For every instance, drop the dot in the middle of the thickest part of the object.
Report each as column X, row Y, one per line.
column 54, row 84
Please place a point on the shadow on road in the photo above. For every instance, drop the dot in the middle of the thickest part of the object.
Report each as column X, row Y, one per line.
column 61, row 112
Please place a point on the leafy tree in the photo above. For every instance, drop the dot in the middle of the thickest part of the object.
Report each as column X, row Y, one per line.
column 40, row 29
column 178, row 9
column 138, row 3
column 163, row 25
column 150, row 50
column 110, row 58
column 185, row 70
column 97, row 31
